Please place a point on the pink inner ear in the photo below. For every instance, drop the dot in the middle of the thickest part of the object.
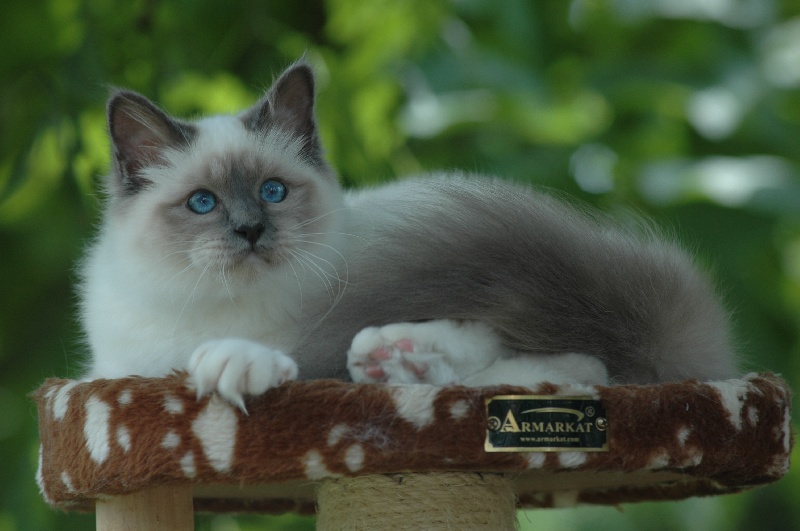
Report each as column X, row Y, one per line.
column 135, row 133
column 140, row 133
column 294, row 94
column 289, row 104
column 294, row 100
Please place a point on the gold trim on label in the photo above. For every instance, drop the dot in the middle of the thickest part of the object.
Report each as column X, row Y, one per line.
column 511, row 425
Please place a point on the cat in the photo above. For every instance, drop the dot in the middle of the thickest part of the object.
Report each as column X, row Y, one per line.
column 228, row 249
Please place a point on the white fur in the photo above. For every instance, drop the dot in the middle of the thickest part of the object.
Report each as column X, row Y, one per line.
column 234, row 367
column 469, row 353
column 215, row 428
column 96, row 429
column 147, row 311
column 149, row 308
column 145, row 319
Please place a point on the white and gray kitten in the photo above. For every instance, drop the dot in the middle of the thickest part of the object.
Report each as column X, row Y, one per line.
column 228, row 249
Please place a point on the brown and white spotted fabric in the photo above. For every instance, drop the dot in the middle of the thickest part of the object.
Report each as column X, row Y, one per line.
column 670, row 441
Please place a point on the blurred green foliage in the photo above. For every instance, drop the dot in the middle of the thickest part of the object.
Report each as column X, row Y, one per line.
column 688, row 111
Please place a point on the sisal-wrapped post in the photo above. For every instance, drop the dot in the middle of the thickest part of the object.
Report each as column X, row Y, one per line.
column 438, row 500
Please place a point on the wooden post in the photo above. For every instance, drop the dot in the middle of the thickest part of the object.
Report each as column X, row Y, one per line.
column 159, row 509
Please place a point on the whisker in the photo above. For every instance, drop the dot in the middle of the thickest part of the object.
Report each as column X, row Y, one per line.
column 335, row 275
column 337, row 233
column 191, row 297
column 182, row 271
column 314, row 256
column 316, row 269
column 317, row 218
column 332, row 248
column 225, row 283
column 341, row 283
column 179, row 261
column 302, row 262
column 296, row 276
column 196, row 284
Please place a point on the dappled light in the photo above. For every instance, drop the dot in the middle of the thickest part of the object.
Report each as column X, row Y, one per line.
column 728, row 181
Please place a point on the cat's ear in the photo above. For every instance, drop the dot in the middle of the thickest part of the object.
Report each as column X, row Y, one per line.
column 288, row 105
column 140, row 132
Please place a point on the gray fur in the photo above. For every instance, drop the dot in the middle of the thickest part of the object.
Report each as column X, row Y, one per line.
column 549, row 277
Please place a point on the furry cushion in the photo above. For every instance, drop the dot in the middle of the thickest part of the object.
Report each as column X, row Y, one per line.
column 669, row 441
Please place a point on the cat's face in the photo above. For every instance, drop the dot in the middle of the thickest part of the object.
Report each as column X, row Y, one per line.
column 230, row 199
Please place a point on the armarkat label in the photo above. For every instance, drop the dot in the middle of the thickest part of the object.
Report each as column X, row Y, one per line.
column 518, row 423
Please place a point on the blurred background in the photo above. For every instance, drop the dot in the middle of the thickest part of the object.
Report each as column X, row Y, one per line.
column 685, row 110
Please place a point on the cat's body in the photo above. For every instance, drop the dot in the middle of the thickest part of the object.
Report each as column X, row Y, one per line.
column 228, row 249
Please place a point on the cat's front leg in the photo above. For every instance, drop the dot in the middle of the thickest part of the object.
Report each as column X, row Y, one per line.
column 234, row 367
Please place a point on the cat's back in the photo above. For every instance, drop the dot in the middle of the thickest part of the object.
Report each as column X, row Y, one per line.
column 548, row 275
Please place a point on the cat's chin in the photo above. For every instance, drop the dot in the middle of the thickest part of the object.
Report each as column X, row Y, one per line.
column 249, row 265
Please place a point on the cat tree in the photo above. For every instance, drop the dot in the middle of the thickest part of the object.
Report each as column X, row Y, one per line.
column 145, row 453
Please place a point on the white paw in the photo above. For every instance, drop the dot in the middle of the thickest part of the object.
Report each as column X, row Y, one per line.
column 398, row 354
column 234, row 367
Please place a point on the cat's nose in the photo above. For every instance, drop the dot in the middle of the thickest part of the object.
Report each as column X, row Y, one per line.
column 251, row 233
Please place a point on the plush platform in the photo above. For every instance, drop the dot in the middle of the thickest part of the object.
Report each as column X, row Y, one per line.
column 108, row 438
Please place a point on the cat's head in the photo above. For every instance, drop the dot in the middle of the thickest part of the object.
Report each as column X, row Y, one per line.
column 229, row 197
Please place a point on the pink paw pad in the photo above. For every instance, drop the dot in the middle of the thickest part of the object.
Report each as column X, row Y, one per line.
column 404, row 345
column 375, row 371
column 374, row 368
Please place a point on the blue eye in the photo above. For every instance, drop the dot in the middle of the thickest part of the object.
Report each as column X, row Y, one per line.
column 202, row 202
column 273, row 191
